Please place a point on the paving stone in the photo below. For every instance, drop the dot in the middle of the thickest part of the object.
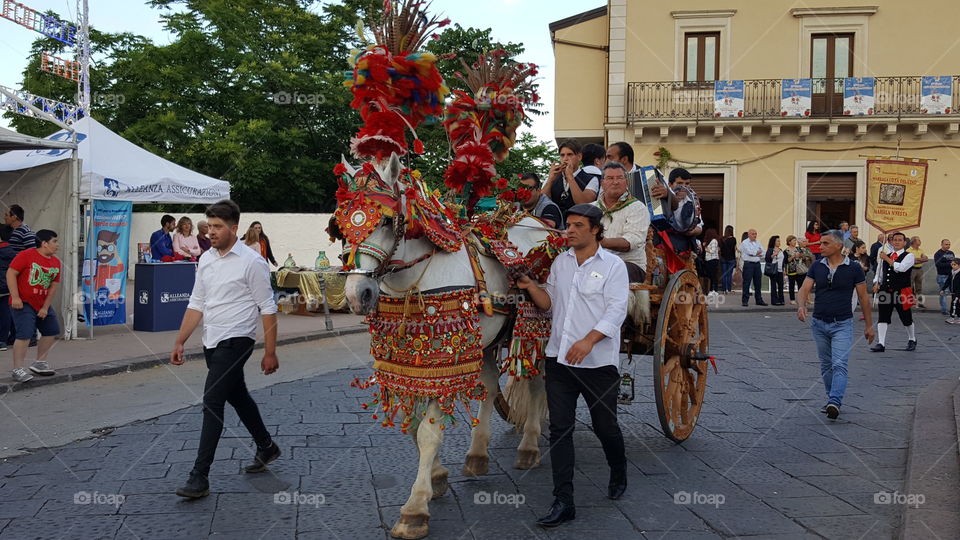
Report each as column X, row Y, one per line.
column 180, row 526
column 19, row 508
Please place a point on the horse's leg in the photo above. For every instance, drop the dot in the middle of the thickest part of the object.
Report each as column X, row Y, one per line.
column 528, row 453
column 438, row 477
column 478, row 460
column 415, row 513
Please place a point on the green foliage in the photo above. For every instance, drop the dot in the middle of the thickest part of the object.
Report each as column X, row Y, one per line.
column 212, row 99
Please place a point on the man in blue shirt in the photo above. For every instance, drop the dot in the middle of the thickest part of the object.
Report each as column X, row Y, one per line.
column 835, row 277
column 161, row 245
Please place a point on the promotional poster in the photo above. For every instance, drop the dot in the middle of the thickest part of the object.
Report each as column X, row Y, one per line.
column 105, row 263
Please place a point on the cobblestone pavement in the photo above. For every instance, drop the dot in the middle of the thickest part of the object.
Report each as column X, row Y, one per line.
column 763, row 462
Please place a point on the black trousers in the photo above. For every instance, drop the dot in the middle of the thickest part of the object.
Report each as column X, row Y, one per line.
column 751, row 274
column 776, row 288
column 635, row 274
column 796, row 281
column 887, row 301
column 225, row 384
column 599, row 388
column 711, row 271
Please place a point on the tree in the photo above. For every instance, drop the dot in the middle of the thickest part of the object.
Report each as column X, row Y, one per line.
column 248, row 91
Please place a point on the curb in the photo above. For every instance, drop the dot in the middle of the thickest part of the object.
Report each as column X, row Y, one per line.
column 126, row 365
column 933, row 468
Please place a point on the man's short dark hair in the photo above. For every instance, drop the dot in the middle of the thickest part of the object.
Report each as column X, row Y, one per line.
column 624, row 149
column 45, row 235
column 898, row 233
column 592, row 152
column 679, row 173
column 6, row 232
column 16, row 210
column 532, row 176
column 572, row 144
column 226, row 210
column 167, row 218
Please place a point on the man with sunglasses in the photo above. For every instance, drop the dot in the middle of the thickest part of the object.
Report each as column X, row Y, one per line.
column 835, row 277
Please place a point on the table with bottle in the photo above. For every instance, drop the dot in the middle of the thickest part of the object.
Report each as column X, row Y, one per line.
column 320, row 288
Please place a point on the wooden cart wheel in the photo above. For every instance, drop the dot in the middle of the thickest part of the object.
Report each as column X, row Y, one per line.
column 679, row 355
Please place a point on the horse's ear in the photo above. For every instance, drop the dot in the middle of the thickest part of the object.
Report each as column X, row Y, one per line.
column 394, row 168
column 350, row 170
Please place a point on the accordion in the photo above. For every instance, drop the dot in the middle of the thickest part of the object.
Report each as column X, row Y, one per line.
column 640, row 182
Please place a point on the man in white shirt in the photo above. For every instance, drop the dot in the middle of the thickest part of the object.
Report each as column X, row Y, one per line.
column 892, row 287
column 232, row 290
column 751, row 252
column 625, row 221
column 587, row 291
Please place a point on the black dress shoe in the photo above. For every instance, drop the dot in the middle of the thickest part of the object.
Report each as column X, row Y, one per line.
column 911, row 345
column 878, row 348
column 617, row 485
column 560, row 512
column 196, row 487
column 761, row 303
column 745, row 304
column 263, row 457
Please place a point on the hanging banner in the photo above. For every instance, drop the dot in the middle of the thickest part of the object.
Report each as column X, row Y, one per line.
column 795, row 97
column 105, row 263
column 936, row 95
column 895, row 191
column 858, row 96
column 728, row 99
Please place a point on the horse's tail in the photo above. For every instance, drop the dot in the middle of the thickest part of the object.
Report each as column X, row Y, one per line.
column 519, row 394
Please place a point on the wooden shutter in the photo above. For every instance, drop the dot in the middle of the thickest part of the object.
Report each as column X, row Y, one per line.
column 709, row 187
column 831, row 186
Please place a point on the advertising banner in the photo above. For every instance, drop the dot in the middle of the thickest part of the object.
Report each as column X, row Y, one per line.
column 936, row 95
column 895, row 191
column 795, row 97
column 728, row 99
column 858, row 96
column 105, row 263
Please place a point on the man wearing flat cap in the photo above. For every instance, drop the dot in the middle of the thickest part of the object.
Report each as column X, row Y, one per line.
column 587, row 292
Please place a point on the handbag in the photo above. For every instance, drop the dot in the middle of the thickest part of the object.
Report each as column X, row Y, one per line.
column 770, row 270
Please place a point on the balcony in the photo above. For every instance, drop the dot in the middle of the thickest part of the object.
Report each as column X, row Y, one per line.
column 677, row 102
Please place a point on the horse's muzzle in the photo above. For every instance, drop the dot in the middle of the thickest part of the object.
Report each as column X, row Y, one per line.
column 362, row 294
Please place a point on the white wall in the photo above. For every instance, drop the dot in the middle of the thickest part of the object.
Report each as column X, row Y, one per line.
column 301, row 235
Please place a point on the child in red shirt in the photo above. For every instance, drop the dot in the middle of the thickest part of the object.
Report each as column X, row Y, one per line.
column 33, row 279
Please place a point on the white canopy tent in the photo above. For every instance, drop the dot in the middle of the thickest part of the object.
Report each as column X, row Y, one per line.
column 110, row 168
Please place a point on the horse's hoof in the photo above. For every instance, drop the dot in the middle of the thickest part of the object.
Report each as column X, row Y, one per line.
column 439, row 484
column 527, row 459
column 411, row 526
column 476, row 466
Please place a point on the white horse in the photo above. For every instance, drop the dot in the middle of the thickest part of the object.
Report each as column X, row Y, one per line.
column 445, row 271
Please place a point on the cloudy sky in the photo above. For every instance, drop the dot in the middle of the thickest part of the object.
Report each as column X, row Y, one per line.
column 523, row 21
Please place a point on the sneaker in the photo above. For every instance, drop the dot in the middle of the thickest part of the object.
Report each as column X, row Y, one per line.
column 21, row 375
column 954, row 320
column 824, row 409
column 196, row 487
column 4, row 348
column 41, row 368
column 263, row 457
column 833, row 411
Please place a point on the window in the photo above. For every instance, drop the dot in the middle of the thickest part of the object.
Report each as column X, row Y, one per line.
column 831, row 61
column 701, row 56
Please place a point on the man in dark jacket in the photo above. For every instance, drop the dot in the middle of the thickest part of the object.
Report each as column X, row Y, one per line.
column 941, row 259
column 7, row 253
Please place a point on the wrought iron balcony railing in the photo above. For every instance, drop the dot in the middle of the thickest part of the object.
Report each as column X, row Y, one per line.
column 894, row 97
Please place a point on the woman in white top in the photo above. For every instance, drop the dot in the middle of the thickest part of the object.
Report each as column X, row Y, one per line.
column 711, row 259
column 774, row 258
column 185, row 242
